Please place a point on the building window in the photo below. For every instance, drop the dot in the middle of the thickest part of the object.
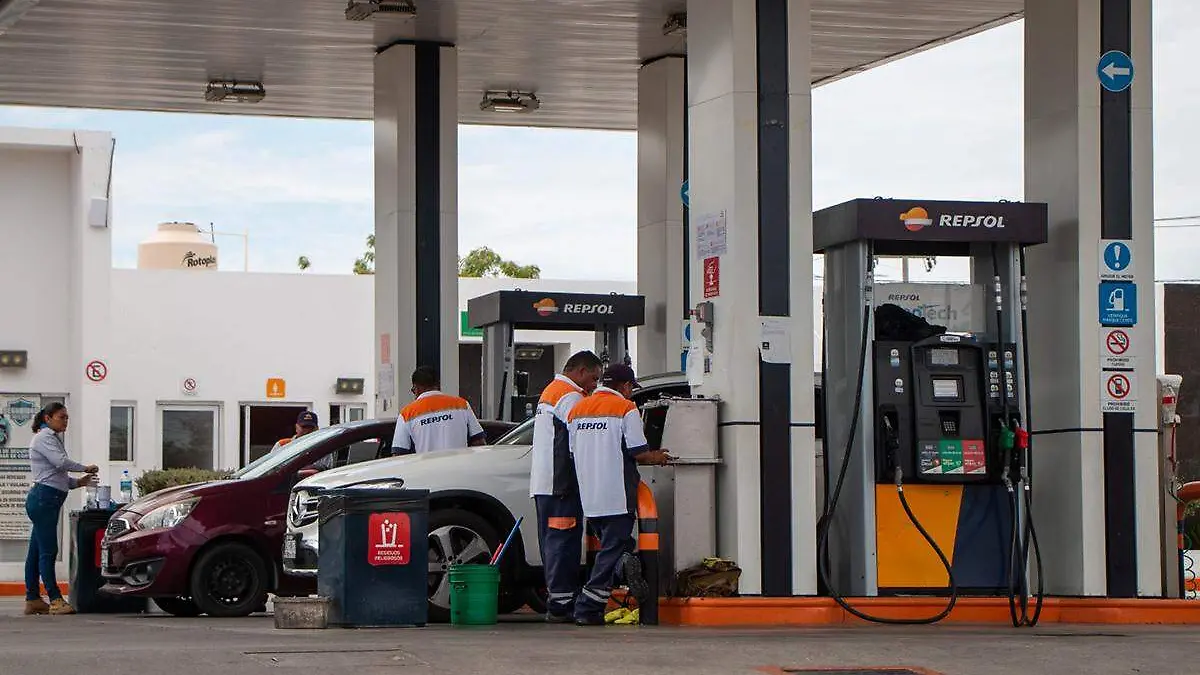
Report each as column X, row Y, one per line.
column 189, row 437
column 120, row 433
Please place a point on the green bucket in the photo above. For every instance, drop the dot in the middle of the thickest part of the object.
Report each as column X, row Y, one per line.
column 474, row 590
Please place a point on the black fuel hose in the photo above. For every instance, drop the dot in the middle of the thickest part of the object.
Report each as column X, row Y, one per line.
column 1030, row 534
column 831, row 506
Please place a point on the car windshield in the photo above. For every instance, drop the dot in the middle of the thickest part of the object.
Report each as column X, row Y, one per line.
column 271, row 462
column 521, row 435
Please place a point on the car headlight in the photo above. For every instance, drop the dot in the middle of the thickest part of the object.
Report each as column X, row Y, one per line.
column 167, row 516
column 302, row 508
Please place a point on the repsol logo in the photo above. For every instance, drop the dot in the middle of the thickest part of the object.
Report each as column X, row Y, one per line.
column 904, row 297
column 989, row 222
column 592, row 426
column 582, row 308
column 434, row 419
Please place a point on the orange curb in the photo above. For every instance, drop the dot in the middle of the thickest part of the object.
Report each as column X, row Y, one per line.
column 819, row 611
column 10, row 589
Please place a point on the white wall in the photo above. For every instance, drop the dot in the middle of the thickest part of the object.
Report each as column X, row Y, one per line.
column 231, row 332
column 56, row 286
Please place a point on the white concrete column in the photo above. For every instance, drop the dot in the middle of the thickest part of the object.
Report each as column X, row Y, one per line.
column 1088, row 153
column 416, row 218
column 749, row 102
column 662, row 124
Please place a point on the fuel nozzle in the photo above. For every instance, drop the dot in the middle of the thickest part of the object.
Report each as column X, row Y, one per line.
column 1007, row 439
column 891, row 441
column 1022, row 438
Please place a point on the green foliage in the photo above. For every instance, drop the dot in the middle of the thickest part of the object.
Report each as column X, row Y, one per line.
column 484, row 262
column 366, row 264
column 161, row 479
column 303, row 263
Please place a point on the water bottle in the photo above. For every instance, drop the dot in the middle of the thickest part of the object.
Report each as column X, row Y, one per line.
column 126, row 487
column 91, row 501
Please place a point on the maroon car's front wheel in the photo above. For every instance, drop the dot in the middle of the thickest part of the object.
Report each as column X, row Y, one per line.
column 229, row 579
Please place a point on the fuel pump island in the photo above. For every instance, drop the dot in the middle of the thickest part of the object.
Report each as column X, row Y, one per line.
column 927, row 453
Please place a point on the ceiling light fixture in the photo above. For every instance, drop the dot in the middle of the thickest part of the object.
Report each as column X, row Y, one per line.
column 509, row 102
column 11, row 12
column 676, row 24
column 235, row 92
column 359, row 10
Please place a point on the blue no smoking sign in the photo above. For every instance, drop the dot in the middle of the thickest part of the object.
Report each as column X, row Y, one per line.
column 1115, row 71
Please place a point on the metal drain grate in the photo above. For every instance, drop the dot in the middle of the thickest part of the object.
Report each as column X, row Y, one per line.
column 861, row 671
column 339, row 658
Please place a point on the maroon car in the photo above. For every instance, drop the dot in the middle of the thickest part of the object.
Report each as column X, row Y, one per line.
column 214, row 548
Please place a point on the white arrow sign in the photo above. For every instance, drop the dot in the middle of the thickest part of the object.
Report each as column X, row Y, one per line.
column 1112, row 70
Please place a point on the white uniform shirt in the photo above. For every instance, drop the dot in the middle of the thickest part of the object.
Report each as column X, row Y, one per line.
column 606, row 434
column 435, row 421
column 552, row 471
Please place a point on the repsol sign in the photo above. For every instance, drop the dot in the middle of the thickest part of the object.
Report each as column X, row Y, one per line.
column 960, row 220
column 434, row 419
column 580, row 308
column 592, row 426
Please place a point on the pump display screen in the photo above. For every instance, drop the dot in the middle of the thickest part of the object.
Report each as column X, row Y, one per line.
column 946, row 389
column 943, row 357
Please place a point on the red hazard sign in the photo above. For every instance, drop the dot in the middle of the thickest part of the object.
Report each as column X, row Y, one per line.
column 712, row 277
column 389, row 539
column 1117, row 342
column 1118, row 386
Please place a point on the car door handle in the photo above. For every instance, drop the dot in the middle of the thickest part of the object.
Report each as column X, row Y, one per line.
column 271, row 523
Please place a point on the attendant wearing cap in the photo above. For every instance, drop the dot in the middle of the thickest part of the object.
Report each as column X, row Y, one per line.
column 306, row 423
column 608, row 442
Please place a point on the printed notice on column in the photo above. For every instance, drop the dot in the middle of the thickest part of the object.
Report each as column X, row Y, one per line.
column 775, row 343
column 710, row 236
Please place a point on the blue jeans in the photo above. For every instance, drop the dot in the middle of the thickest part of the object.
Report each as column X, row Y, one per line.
column 43, row 506
column 560, row 535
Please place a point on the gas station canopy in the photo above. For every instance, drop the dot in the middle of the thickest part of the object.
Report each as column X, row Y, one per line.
column 580, row 58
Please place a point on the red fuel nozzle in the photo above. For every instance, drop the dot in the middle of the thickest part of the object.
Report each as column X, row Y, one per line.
column 1022, row 439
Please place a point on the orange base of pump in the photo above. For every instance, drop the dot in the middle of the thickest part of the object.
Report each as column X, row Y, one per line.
column 819, row 611
column 10, row 589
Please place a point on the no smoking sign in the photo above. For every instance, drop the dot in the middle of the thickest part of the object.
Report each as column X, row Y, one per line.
column 1116, row 348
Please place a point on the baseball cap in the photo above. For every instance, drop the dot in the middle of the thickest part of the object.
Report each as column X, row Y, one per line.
column 307, row 418
column 618, row 373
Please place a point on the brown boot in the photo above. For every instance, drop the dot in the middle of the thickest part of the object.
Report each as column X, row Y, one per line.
column 38, row 606
column 60, row 607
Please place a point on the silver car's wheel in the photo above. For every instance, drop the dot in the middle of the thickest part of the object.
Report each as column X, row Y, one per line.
column 455, row 538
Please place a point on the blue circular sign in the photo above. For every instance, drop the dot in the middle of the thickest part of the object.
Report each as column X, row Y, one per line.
column 683, row 193
column 1115, row 70
column 1117, row 256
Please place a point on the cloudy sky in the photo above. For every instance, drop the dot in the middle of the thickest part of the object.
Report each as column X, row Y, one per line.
column 304, row 187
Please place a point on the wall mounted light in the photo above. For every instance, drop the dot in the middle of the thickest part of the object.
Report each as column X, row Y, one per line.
column 235, row 92
column 676, row 24
column 349, row 385
column 509, row 102
column 14, row 359
column 359, row 10
column 11, row 12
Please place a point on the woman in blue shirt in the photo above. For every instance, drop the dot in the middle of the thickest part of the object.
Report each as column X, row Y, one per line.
column 51, row 467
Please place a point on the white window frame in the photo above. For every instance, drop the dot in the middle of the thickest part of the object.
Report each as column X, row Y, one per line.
column 214, row 409
column 131, row 441
column 244, row 419
column 345, row 408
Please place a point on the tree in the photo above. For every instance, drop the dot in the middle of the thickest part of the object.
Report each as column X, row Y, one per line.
column 366, row 264
column 484, row 262
column 303, row 263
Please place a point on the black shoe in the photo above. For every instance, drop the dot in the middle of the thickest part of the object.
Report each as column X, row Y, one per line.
column 558, row 618
column 631, row 571
column 593, row 620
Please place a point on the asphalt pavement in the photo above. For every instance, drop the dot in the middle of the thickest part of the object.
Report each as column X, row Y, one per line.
column 154, row 643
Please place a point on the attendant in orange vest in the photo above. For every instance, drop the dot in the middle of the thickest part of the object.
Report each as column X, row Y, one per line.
column 306, row 423
column 553, row 487
column 607, row 443
column 435, row 421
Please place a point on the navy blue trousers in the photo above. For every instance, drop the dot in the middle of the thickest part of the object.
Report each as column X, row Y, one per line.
column 560, row 537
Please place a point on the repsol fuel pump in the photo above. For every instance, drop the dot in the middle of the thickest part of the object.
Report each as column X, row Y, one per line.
column 927, row 455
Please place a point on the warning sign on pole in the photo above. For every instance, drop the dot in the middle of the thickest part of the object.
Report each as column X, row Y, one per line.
column 712, row 277
column 1116, row 348
column 1117, row 392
